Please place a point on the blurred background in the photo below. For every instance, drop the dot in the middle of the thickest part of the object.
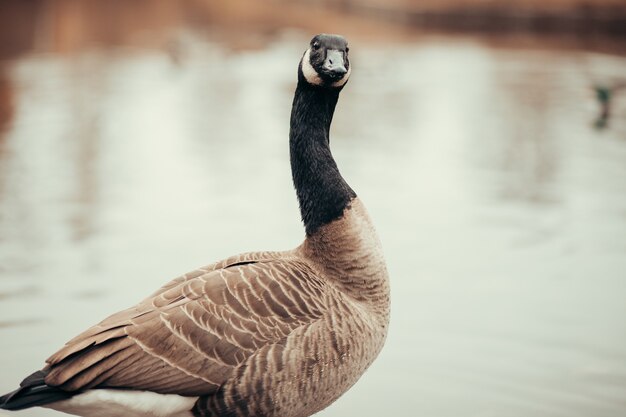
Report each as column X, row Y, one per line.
column 142, row 139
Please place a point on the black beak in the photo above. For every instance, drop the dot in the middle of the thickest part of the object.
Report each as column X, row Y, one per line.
column 334, row 65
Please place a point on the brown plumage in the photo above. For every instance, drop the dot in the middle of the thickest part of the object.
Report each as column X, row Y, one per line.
column 258, row 334
column 284, row 330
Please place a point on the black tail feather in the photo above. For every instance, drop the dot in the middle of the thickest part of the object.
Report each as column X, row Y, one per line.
column 33, row 392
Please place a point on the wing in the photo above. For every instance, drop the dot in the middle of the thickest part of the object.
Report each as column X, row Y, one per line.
column 190, row 336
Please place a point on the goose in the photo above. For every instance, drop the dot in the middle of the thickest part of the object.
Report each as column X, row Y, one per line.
column 276, row 334
column 604, row 95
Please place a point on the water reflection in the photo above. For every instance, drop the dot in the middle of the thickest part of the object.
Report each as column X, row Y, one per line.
column 6, row 102
column 501, row 210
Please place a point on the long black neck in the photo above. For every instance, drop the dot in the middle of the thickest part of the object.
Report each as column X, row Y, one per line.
column 322, row 192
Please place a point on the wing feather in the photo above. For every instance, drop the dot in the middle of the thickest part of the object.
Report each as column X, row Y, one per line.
column 83, row 378
column 192, row 335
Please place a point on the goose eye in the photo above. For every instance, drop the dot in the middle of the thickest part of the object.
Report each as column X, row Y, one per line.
column 347, row 49
column 316, row 45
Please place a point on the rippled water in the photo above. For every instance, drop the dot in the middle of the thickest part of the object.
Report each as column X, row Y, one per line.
column 502, row 211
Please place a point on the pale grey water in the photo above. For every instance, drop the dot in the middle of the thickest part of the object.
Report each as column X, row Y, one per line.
column 501, row 210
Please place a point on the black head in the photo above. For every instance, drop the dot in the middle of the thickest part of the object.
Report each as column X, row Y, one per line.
column 326, row 61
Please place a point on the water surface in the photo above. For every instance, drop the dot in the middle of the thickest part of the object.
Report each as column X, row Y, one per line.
column 501, row 209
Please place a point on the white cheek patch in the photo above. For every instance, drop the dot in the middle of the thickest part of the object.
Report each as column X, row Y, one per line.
column 308, row 71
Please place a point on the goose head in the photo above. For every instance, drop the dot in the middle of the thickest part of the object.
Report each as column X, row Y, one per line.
column 326, row 62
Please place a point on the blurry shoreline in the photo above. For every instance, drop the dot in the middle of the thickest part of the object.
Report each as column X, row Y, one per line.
column 65, row 26
column 606, row 17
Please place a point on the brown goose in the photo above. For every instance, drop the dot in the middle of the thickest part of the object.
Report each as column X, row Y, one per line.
column 260, row 334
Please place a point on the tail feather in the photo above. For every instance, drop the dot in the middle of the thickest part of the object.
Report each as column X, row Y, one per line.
column 33, row 392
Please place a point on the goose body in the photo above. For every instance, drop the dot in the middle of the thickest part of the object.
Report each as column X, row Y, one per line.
column 279, row 334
